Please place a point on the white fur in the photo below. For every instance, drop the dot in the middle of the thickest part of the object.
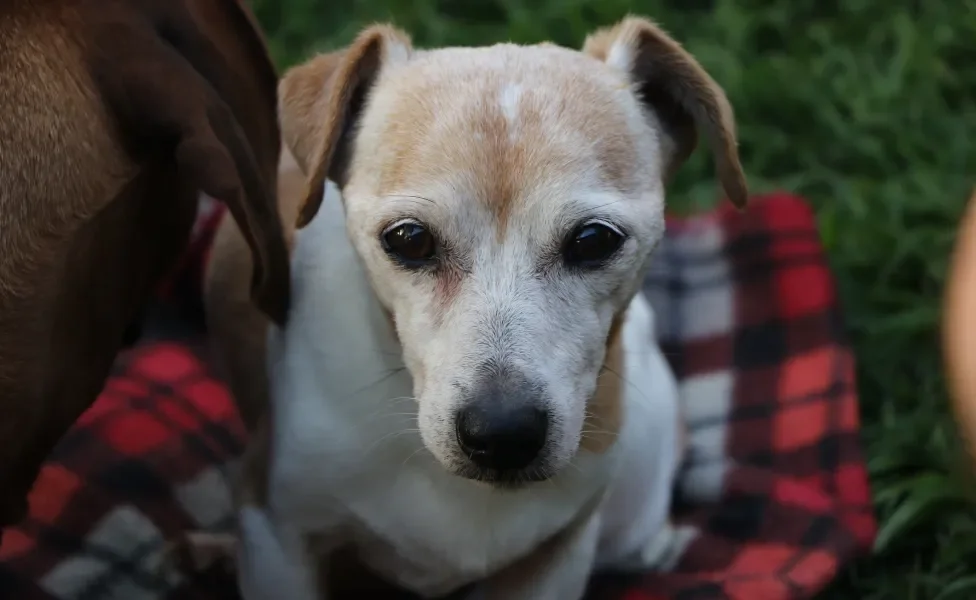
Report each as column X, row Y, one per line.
column 621, row 57
column 509, row 102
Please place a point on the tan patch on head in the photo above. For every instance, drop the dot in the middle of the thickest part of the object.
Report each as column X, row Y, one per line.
column 502, row 125
column 604, row 413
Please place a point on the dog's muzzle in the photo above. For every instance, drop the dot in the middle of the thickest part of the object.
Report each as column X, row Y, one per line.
column 502, row 428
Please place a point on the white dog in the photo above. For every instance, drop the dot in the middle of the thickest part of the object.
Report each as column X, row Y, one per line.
column 468, row 390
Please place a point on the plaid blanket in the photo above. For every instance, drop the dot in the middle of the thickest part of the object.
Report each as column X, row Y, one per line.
column 773, row 497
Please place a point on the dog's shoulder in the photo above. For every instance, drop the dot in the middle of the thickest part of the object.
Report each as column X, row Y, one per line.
column 651, row 440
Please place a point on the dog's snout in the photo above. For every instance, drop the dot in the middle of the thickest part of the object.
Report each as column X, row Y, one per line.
column 502, row 426
column 500, row 437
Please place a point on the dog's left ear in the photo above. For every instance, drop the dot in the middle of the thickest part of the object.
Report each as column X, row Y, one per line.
column 684, row 97
column 321, row 100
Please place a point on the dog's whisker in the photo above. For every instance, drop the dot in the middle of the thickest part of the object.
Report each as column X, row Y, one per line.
column 551, row 481
column 412, row 454
column 398, row 414
column 643, row 402
column 384, row 411
column 629, row 383
column 400, row 399
column 388, row 375
column 650, row 352
column 353, row 354
column 378, row 443
column 572, row 465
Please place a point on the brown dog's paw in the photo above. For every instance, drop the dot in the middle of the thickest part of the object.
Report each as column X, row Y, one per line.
column 198, row 551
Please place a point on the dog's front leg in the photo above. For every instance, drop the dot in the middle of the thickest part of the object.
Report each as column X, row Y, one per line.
column 557, row 570
column 273, row 559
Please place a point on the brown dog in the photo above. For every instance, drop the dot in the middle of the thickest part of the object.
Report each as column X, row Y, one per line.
column 114, row 114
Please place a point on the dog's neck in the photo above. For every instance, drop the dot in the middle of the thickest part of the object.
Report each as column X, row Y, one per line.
column 349, row 338
column 337, row 370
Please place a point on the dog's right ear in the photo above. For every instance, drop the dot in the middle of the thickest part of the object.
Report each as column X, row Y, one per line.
column 320, row 101
column 671, row 83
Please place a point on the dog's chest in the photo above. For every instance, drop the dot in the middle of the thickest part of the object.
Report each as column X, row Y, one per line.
column 411, row 521
column 434, row 544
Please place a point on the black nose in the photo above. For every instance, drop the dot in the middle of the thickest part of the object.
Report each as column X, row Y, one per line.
column 503, row 438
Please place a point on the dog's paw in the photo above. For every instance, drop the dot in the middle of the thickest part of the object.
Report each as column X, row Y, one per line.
column 664, row 550
column 197, row 551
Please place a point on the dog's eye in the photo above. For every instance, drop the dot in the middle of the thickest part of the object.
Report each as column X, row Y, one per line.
column 592, row 244
column 410, row 243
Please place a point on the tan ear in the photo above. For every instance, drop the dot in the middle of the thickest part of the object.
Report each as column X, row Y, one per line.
column 319, row 102
column 686, row 100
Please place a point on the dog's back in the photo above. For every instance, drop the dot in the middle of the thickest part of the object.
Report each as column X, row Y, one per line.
column 61, row 161
column 113, row 115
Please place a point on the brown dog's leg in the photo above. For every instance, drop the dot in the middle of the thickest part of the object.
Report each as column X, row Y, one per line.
column 199, row 551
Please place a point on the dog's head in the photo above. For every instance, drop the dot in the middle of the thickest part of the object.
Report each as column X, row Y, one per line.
column 505, row 202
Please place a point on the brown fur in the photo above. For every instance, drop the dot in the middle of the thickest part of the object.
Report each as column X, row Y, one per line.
column 303, row 96
column 326, row 113
column 604, row 411
column 107, row 131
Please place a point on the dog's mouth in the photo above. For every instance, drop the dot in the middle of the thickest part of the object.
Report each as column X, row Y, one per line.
column 505, row 479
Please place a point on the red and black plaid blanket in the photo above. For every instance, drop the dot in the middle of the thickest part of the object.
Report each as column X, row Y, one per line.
column 774, row 495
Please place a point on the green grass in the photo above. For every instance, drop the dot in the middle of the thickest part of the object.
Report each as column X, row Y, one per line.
column 868, row 109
